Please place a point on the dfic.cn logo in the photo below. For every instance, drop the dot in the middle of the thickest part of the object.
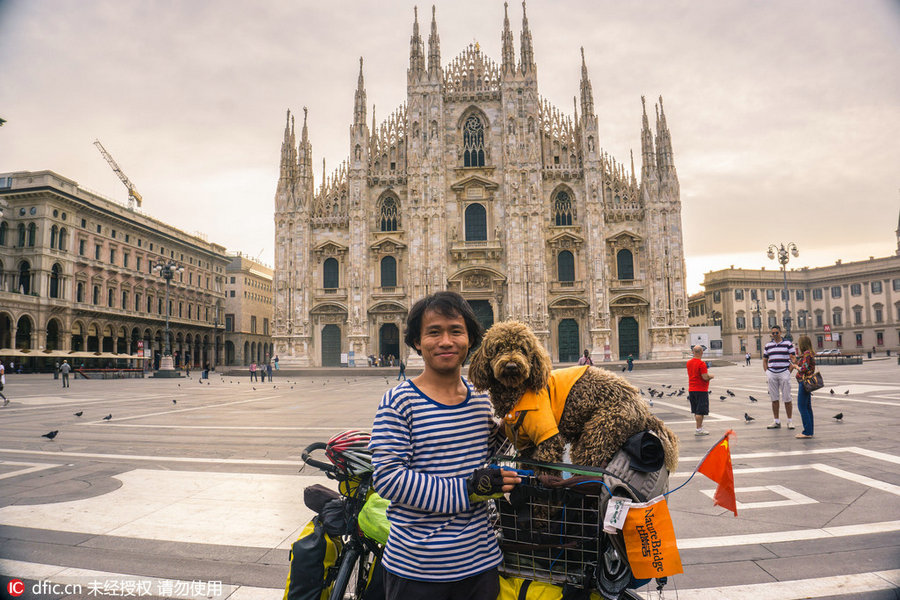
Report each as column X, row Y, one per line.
column 15, row 587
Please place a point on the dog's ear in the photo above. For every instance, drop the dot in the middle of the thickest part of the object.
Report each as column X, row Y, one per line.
column 540, row 367
column 480, row 369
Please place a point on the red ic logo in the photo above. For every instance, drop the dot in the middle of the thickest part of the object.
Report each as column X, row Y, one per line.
column 15, row 587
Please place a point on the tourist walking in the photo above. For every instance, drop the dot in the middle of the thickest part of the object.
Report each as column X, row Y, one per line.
column 585, row 359
column 698, row 388
column 2, row 383
column 778, row 362
column 64, row 368
column 747, row 358
column 630, row 360
column 402, row 373
column 269, row 371
column 253, row 371
column 806, row 368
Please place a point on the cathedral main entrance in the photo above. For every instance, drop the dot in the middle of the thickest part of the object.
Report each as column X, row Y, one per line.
column 389, row 341
column 331, row 346
column 629, row 340
column 568, row 341
column 483, row 312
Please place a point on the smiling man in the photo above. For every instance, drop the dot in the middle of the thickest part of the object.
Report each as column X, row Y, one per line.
column 430, row 443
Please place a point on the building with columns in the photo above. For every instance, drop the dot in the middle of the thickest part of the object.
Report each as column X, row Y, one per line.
column 76, row 275
column 852, row 306
column 248, row 311
column 477, row 184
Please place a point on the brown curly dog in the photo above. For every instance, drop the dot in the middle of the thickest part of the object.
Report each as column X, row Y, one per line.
column 601, row 412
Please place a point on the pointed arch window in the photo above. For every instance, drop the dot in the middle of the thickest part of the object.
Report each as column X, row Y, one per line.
column 63, row 235
column 476, row 223
column 4, row 229
column 21, row 230
column 473, row 142
column 625, row 264
column 565, row 266
column 32, row 230
column 330, row 276
column 389, row 215
column 388, row 272
column 55, row 273
column 54, row 233
column 563, row 212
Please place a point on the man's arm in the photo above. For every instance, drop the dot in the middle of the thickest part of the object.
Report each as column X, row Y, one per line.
column 706, row 376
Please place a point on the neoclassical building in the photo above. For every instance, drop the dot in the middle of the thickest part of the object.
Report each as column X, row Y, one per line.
column 478, row 184
column 77, row 279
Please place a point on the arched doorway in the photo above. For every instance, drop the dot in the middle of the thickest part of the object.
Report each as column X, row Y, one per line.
column 331, row 346
column 629, row 339
column 229, row 353
column 5, row 331
column 77, row 337
column 389, row 340
column 23, row 333
column 53, row 339
column 568, row 342
column 483, row 312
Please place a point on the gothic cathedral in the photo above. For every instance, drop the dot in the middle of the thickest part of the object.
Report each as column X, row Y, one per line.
column 479, row 185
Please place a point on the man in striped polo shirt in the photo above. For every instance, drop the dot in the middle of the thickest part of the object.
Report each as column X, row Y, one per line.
column 778, row 362
column 430, row 443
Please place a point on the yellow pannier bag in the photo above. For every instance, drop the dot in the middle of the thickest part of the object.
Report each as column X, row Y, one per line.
column 373, row 519
column 311, row 556
column 515, row 588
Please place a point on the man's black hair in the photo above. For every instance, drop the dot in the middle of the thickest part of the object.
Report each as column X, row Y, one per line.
column 448, row 304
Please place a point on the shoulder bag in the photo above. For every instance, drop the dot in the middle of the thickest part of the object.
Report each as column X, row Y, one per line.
column 813, row 382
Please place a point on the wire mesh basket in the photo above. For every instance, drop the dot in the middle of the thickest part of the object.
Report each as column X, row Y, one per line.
column 550, row 534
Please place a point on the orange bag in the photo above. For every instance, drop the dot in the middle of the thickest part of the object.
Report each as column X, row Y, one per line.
column 650, row 540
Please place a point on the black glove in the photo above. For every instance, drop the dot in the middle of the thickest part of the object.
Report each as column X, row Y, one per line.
column 485, row 484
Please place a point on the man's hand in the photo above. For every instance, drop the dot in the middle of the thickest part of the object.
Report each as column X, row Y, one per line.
column 488, row 483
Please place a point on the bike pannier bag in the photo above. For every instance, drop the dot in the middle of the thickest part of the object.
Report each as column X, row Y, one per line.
column 311, row 556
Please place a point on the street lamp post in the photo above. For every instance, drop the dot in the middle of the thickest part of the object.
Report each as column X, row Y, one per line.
column 782, row 252
column 167, row 271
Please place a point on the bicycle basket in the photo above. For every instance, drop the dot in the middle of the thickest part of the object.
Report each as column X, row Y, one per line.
column 550, row 534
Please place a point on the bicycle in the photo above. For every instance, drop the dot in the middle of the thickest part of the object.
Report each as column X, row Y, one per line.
column 350, row 575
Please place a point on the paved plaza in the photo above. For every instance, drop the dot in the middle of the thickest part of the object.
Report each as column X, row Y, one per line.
column 194, row 490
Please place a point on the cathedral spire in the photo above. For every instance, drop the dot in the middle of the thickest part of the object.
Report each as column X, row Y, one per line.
column 359, row 103
column 648, row 156
column 665, row 159
column 575, row 108
column 587, row 92
column 509, row 54
column 416, row 52
column 527, row 61
column 434, row 49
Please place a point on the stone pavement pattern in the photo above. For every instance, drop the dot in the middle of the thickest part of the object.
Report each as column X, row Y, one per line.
column 202, row 497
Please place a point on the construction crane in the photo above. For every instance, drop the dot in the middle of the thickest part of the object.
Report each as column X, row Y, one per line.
column 133, row 196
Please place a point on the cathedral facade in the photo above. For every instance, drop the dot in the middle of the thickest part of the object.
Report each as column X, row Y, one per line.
column 479, row 185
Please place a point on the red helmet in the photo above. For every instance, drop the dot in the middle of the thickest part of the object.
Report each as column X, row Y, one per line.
column 349, row 452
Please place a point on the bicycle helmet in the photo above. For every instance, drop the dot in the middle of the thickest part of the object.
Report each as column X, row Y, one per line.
column 349, row 452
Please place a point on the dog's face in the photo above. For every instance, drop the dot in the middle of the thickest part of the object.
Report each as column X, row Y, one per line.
column 510, row 355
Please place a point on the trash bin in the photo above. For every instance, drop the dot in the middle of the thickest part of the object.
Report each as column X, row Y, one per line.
column 869, row 354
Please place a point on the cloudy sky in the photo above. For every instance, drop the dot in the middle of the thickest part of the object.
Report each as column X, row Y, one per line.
column 785, row 115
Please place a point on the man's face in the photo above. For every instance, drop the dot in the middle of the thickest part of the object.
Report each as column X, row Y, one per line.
column 776, row 334
column 444, row 341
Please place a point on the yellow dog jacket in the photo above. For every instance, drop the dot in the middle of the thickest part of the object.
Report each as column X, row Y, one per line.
column 541, row 411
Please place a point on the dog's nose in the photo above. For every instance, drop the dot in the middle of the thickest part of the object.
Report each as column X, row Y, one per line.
column 510, row 368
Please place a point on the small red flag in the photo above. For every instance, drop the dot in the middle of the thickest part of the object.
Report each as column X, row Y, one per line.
column 717, row 466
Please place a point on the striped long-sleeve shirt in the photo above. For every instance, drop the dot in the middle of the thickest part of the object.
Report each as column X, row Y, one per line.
column 423, row 451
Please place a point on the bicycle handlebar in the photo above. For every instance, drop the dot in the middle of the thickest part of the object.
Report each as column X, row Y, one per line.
column 322, row 466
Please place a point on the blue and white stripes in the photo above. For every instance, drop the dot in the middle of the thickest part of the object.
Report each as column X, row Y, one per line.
column 423, row 451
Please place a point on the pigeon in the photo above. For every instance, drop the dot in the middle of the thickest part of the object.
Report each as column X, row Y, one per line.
column 624, row 369
column 730, row 393
column 174, row 401
column 723, row 398
column 79, row 413
column 838, row 417
column 846, row 392
column 641, row 390
column 207, row 383
column 748, row 418
column 179, row 385
column 651, row 401
column 50, row 435
column 832, row 391
column 107, row 417
column 292, row 387
column 752, row 399
column 254, row 389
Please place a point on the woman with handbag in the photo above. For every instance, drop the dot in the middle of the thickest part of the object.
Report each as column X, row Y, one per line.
column 806, row 369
